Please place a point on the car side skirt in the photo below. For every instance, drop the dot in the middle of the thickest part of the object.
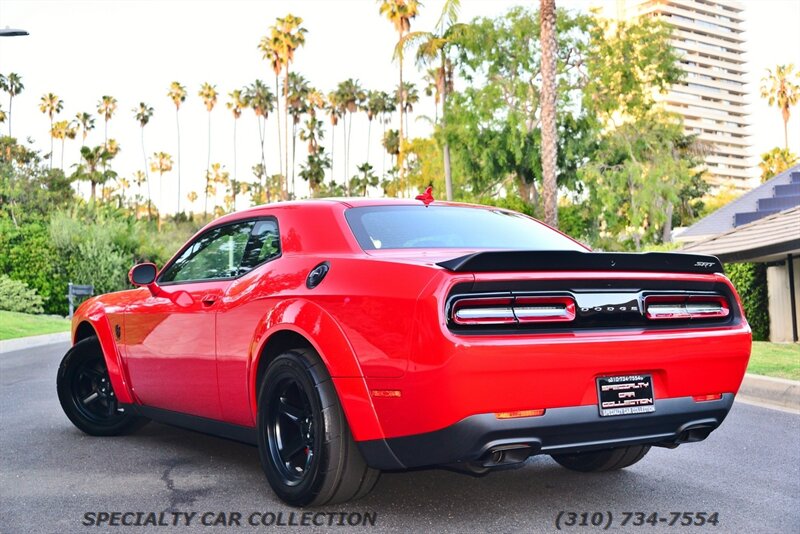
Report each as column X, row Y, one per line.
column 243, row 434
column 559, row 430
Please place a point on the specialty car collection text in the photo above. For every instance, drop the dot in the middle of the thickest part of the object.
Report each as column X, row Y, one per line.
column 229, row 519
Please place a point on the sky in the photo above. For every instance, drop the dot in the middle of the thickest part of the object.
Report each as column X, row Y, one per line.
column 133, row 49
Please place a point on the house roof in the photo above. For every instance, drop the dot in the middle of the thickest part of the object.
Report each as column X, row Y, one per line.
column 767, row 239
column 762, row 201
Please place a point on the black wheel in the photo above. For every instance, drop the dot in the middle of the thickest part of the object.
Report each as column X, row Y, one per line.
column 86, row 395
column 606, row 460
column 304, row 443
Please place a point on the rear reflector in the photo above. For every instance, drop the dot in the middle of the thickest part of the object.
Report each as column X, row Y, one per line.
column 660, row 307
column 519, row 413
column 511, row 310
column 705, row 398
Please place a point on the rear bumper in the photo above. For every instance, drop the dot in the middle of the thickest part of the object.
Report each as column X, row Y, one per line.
column 559, row 430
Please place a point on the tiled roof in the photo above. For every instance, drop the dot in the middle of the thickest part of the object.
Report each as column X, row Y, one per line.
column 776, row 194
column 773, row 236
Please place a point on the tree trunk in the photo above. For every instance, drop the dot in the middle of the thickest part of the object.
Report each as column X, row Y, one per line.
column 285, row 179
column 549, row 134
column 786, row 130
column 666, row 236
column 401, row 103
column 333, row 145
column 10, row 100
column 208, row 167
column 234, row 159
column 51, row 143
column 178, row 127
column 63, row 142
column 294, row 142
column 448, row 177
column 349, row 133
column 147, row 179
column 278, row 121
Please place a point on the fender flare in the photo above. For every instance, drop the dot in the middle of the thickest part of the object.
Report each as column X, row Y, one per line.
column 93, row 313
column 325, row 335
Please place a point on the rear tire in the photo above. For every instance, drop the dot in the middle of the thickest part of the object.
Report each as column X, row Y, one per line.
column 86, row 394
column 304, row 442
column 606, row 460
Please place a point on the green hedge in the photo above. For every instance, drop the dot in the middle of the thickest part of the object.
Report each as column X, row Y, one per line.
column 750, row 280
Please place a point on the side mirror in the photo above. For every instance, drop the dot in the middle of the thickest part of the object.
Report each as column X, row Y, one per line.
column 143, row 274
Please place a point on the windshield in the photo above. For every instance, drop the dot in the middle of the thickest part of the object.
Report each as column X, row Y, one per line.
column 399, row 227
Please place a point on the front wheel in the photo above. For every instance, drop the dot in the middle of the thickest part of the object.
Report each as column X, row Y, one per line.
column 86, row 394
column 606, row 460
column 304, row 442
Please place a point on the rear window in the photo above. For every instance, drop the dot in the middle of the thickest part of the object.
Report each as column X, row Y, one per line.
column 399, row 227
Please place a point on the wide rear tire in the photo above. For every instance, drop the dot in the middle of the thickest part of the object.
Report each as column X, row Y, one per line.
column 606, row 460
column 304, row 442
column 86, row 394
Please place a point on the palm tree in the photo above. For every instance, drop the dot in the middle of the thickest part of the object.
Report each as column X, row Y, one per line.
column 89, row 169
column 139, row 178
column 106, row 108
column 161, row 162
column 237, row 102
column 433, row 46
column 351, row 98
column 51, row 105
column 292, row 36
column 775, row 162
column 409, row 96
column 208, row 93
column 780, row 89
column 63, row 130
column 313, row 171
column 297, row 105
column 143, row 114
column 334, row 110
column 192, row 198
column 13, row 86
column 400, row 13
column 547, row 17
column 85, row 122
column 177, row 93
column 260, row 99
column 271, row 48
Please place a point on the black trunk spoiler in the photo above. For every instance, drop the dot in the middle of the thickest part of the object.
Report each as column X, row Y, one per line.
column 570, row 260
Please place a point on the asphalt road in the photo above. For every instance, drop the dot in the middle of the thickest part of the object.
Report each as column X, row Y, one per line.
column 51, row 475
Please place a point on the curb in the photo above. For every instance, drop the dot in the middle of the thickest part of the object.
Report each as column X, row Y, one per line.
column 778, row 392
column 10, row 345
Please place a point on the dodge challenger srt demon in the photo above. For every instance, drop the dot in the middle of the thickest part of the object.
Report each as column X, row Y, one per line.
column 345, row 337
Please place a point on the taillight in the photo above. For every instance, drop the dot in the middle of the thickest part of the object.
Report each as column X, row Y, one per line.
column 513, row 310
column 660, row 307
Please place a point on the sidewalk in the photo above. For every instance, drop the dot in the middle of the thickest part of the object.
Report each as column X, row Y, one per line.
column 9, row 345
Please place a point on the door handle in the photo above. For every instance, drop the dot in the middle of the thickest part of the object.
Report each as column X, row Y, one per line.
column 209, row 299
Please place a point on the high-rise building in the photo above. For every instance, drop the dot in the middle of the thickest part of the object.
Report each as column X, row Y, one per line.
column 712, row 97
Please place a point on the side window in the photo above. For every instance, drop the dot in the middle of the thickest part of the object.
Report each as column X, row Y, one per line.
column 264, row 245
column 215, row 254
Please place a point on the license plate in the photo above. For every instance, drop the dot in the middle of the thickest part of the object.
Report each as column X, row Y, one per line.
column 625, row 395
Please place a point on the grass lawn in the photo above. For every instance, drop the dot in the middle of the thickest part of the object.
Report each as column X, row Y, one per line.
column 13, row 324
column 781, row 360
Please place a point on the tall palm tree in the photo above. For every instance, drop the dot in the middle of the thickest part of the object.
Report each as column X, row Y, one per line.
column 237, row 102
column 287, row 36
column 409, row 96
column 13, row 86
column 432, row 47
column 63, row 130
column 781, row 90
column 160, row 162
column 271, row 48
column 400, row 13
column 51, row 106
column 547, row 17
column 351, row 98
column 260, row 99
column 297, row 105
column 143, row 114
column 208, row 93
column 334, row 110
column 106, row 108
column 92, row 158
column 177, row 93
column 85, row 122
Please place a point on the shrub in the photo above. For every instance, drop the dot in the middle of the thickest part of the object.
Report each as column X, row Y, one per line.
column 16, row 296
column 750, row 280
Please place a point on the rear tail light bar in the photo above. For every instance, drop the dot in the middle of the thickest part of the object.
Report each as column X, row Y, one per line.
column 668, row 307
column 513, row 310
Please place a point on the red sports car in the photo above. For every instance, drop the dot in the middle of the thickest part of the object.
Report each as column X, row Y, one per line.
column 346, row 337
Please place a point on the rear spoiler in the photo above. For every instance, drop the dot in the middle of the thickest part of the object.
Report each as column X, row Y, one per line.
column 570, row 260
